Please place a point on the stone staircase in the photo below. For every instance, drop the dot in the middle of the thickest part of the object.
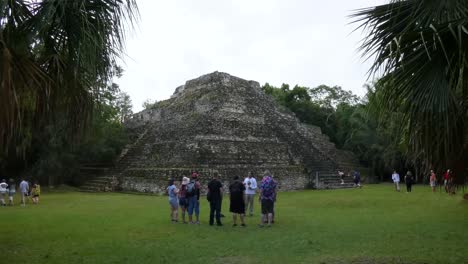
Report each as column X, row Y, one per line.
column 329, row 180
column 105, row 177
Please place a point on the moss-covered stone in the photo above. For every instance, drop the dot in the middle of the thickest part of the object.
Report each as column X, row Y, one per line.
column 224, row 124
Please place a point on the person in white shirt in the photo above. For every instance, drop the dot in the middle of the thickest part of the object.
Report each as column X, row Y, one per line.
column 3, row 191
column 250, row 189
column 341, row 174
column 396, row 180
column 24, row 189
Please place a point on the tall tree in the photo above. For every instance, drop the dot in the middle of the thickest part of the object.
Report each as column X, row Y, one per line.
column 421, row 49
column 52, row 54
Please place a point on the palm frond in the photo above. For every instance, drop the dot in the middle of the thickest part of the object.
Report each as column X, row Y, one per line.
column 420, row 48
column 52, row 53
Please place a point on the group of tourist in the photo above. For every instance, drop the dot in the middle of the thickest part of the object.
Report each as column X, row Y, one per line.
column 9, row 189
column 356, row 177
column 242, row 196
column 409, row 180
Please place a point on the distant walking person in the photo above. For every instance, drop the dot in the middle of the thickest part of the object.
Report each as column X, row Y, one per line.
column 250, row 188
column 408, row 181
column 267, row 198
column 183, row 202
column 214, row 196
column 341, row 174
column 447, row 177
column 193, row 198
column 396, row 180
column 11, row 191
column 357, row 179
column 173, row 201
column 237, row 204
column 3, row 192
column 24, row 189
column 36, row 192
column 433, row 180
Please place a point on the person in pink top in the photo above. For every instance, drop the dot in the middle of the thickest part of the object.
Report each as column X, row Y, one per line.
column 433, row 180
column 183, row 202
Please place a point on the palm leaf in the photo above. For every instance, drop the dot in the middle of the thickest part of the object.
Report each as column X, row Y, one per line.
column 420, row 49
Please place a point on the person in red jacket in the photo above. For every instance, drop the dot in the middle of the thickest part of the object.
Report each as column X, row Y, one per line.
column 446, row 179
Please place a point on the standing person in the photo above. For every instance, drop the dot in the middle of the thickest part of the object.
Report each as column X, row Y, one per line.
column 237, row 204
column 446, row 180
column 3, row 192
column 250, row 188
column 341, row 174
column 357, row 179
column 173, row 201
column 396, row 180
column 183, row 202
column 267, row 198
column 36, row 192
column 450, row 184
column 433, row 180
column 24, row 189
column 193, row 197
column 408, row 181
column 214, row 196
column 11, row 191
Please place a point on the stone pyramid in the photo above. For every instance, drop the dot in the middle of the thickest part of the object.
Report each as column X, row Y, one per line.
column 224, row 124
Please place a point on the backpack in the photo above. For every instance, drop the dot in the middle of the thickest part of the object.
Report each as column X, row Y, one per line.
column 191, row 189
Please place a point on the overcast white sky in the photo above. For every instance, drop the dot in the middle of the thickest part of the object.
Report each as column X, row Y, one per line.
column 301, row 42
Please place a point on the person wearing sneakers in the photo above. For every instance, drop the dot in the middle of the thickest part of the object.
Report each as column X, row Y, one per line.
column 183, row 203
column 396, row 180
column 341, row 174
column 173, row 201
column 267, row 198
column 11, row 191
column 250, row 188
column 193, row 197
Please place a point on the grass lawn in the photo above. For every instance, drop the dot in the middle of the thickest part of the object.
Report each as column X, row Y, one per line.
column 369, row 225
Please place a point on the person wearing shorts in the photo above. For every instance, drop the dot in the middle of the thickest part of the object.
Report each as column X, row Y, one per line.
column 267, row 198
column 173, row 200
column 183, row 202
column 36, row 192
column 11, row 191
column 193, row 199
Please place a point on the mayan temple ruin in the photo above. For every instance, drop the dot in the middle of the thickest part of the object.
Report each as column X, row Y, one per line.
column 225, row 124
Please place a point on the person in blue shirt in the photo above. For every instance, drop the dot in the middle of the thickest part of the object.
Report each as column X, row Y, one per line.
column 357, row 179
column 173, row 200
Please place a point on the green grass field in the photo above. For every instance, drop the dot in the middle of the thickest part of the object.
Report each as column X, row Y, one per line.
column 369, row 225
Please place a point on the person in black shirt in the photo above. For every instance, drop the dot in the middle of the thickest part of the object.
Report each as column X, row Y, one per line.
column 215, row 192
column 237, row 205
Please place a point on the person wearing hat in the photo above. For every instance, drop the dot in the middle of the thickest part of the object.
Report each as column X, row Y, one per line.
column 183, row 203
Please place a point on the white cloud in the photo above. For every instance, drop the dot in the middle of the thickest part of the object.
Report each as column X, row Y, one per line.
column 296, row 42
